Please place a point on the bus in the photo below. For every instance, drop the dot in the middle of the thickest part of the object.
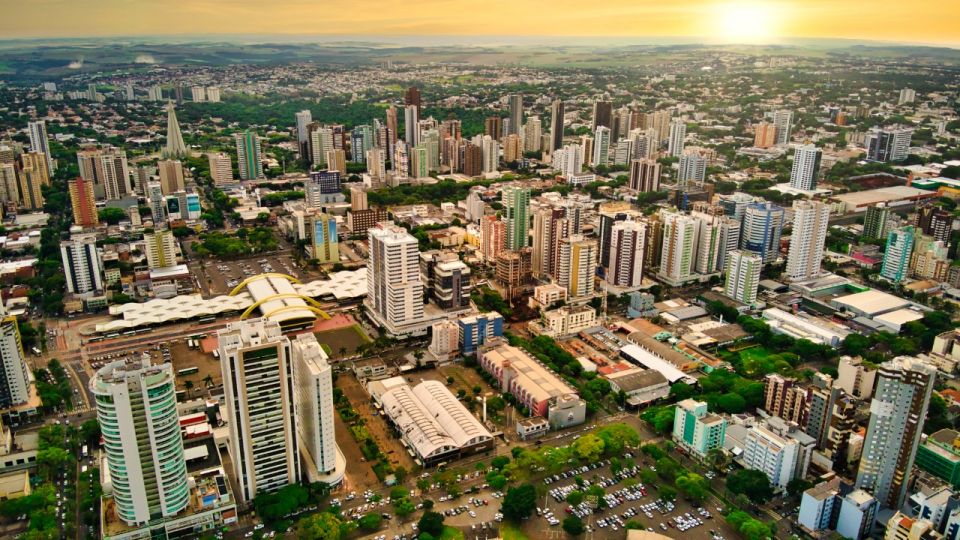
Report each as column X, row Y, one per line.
column 188, row 371
column 207, row 319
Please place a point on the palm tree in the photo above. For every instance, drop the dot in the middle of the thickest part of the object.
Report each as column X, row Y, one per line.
column 189, row 386
column 208, row 381
column 343, row 351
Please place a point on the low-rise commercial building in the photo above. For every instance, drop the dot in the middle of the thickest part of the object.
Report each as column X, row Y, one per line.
column 433, row 425
column 533, row 384
column 565, row 321
column 641, row 386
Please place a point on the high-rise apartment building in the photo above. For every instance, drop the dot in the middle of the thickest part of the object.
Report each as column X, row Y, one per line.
column 161, row 249
column 810, row 224
column 412, row 97
column 549, row 226
column 888, row 145
column 411, row 125
column 693, row 169
column 907, row 95
column 765, row 135
column 556, row 125
column 493, row 126
column 577, row 265
column 108, row 170
column 40, row 142
column 624, row 266
column 897, row 414
column 83, row 202
column 806, row 167
column 336, row 160
column 678, row 134
column 512, row 148
column 697, row 430
column 248, row 155
column 742, row 271
column 313, row 393
column 394, row 287
column 678, row 252
column 261, row 407
column 896, row 258
column 516, row 212
column 762, row 225
column 33, row 175
column 515, row 104
column 14, row 373
column 446, row 280
column 644, row 175
column 601, row 146
column 783, row 124
column 304, row 119
column 221, row 169
column 602, row 114
column 876, row 221
column 935, row 222
column 568, row 160
column 82, row 264
column 493, row 236
column 533, row 135
column 171, row 176
column 326, row 243
column 137, row 413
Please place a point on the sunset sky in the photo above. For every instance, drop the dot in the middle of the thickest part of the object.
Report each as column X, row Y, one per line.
column 916, row 21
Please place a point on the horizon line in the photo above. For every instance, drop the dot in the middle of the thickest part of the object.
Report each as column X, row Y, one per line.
column 391, row 39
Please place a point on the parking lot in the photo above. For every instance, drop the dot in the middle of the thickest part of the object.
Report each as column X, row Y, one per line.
column 625, row 499
column 220, row 277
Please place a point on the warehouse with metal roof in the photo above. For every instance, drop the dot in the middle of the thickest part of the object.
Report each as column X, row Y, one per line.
column 433, row 424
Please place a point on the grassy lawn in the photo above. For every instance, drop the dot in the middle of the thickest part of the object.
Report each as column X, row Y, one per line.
column 450, row 533
column 508, row 531
column 348, row 338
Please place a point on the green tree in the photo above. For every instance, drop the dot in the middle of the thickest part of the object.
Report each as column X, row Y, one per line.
column 667, row 493
column 112, row 216
column 589, row 447
column 322, row 526
column 370, row 522
column 499, row 462
column 575, row 497
column 573, row 525
column 431, row 523
column 519, row 502
column 694, row 486
column 797, row 486
column 754, row 484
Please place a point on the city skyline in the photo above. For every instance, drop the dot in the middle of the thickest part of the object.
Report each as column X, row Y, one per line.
column 709, row 21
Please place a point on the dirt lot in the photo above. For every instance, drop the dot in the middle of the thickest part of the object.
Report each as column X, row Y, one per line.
column 377, row 425
column 343, row 341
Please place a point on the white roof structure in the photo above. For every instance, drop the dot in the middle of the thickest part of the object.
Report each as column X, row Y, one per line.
column 870, row 303
column 645, row 358
column 429, row 417
column 341, row 286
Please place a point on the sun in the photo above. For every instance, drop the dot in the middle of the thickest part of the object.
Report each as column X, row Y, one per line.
column 745, row 22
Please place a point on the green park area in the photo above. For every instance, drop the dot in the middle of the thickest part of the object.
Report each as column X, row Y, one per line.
column 345, row 341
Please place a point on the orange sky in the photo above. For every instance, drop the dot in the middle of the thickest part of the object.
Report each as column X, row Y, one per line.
column 917, row 21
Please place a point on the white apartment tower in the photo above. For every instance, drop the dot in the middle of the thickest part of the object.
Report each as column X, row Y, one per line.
column 782, row 124
column 679, row 242
column 810, row 222
column 82, row 264
column 806, row 167
column 137, row 411
column 601, row 146
column 743, row 276
column 15, row 382
column 314, row 396
column 261, row 404
column 678, row 133
column 394, row 287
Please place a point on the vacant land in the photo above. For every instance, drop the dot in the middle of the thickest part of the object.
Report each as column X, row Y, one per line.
column 343, row 341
